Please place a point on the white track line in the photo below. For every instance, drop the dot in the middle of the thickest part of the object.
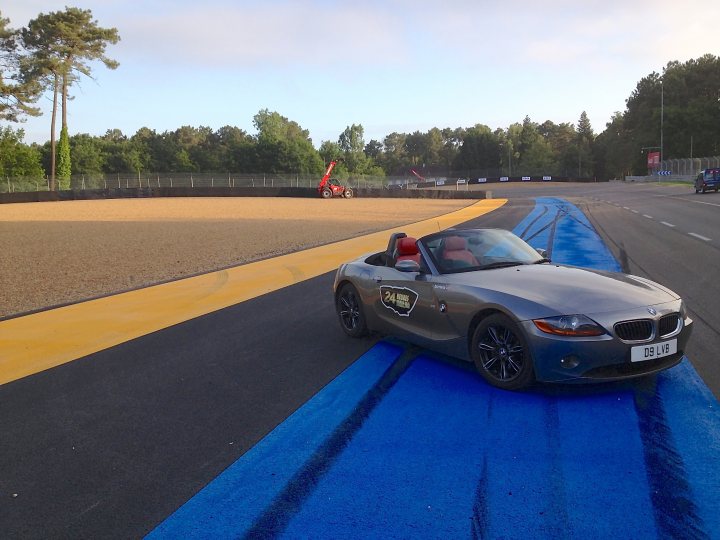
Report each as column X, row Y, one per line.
column 649, row 217
column 700, row 237
column 703, row 202
column 667, row 224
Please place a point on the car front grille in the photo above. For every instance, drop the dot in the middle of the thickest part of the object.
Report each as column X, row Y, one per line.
column 669, row 324
column 639, row 330
column 643, row 329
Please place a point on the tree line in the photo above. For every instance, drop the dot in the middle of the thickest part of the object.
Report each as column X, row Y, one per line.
column 53, row 51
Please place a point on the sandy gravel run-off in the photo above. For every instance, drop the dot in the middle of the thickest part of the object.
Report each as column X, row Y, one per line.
column 53, row 253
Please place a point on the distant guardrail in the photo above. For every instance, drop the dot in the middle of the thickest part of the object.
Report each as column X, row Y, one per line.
column 184, row 180
column 261, row 180
column 686, row 178
column 129, row 193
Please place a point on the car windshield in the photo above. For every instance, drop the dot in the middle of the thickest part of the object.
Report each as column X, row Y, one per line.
column 478, row 249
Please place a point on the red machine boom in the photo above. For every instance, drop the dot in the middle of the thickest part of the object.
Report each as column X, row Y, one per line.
column 330, row 187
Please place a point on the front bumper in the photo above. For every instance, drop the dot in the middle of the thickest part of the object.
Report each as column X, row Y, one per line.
column 602, row 358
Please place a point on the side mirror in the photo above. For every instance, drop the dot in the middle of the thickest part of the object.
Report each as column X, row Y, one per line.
column 542, row 252
column 407, row 266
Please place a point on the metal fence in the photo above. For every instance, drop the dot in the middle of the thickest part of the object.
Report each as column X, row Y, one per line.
column 689, row 166
column 193, row 180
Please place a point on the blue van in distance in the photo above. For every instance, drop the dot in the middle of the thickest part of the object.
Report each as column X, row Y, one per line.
column 707, row 180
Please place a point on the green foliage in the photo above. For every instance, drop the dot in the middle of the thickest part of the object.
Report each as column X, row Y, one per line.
column 562, row 139
column 452, row 140
column 329, row 151
column 64, row 167
column 583, row 148
column 283, row 146
column 341, row 171
column 537, row 159
column 66, row 42
column 234, row 149
column 18, row 160
column 394, row 158
column 87, row 155
column 584, row 129
column 686, row 97
column 16, row 94
column 373, row 149
column 415, row 147
column 375, row 171
column 613, row 150
column 352, row 146
column 534, row 153
column 273, row 127
column 479, row 154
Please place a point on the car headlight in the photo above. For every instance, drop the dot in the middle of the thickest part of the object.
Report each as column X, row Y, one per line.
column 569, row 325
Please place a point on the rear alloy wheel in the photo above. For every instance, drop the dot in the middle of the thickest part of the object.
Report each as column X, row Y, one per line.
column 350, row 311
column 348, row 193
column 326, row 193
column 501, row 354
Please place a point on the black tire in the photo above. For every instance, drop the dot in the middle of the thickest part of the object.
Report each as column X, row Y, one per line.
column 326, row 193
column 501, row 354
column 348, row 193
column 348, row 305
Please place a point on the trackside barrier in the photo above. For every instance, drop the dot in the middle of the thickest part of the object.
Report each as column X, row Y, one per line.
column 503, row 179
column 129, row 193
column 662, row 178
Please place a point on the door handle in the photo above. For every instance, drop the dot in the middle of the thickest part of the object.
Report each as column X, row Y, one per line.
column 378, row 279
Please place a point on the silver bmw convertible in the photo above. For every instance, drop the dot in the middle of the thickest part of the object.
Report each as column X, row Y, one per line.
column 486, row 296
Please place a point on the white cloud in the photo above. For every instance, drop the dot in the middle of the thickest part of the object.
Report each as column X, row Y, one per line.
column 268, row 34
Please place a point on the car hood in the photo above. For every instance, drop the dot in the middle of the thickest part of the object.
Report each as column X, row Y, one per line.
column 567, row 289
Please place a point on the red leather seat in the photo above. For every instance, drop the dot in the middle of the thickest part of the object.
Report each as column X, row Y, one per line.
column 407, row 250
column 456, row 250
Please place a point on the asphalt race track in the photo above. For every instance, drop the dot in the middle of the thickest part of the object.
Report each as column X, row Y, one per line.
column 376, row 439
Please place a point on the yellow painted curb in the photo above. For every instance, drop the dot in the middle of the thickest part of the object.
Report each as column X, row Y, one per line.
column 40, row 341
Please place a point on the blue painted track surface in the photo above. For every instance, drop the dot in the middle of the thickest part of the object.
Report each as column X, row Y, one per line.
column 407, row 445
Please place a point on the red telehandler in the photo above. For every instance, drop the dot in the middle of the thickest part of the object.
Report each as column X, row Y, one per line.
column 330, row 187
column 421, row 178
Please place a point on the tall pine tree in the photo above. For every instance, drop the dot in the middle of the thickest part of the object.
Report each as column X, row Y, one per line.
column 61, row 46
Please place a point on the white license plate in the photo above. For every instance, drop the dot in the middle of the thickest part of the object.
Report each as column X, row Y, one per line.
column 652, row 351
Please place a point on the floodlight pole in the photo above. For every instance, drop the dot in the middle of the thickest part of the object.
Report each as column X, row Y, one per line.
column 662, row 118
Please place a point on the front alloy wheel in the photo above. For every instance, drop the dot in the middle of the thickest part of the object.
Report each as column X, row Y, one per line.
column 501, row 354
column 350, row 311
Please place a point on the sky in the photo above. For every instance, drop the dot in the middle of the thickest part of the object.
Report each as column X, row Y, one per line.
column 391, row 66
